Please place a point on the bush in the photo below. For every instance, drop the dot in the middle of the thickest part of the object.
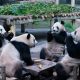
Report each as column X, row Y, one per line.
column 37, row 8
column 69, row 27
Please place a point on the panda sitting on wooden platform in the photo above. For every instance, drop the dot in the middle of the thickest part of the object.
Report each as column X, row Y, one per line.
column 16, row 53
column 55, row 42
column 62, row 69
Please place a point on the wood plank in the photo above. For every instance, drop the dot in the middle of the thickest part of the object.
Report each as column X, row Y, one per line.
column 36, row 69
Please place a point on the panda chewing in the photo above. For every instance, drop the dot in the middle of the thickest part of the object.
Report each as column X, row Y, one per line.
column 55, row 42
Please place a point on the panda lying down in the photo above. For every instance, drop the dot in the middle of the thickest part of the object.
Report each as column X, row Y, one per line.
column 17, row 52
column 62, row 68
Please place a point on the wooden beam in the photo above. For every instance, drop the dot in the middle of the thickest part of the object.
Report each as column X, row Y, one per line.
column 72, row 3
column 22, row 28
column 57, row 2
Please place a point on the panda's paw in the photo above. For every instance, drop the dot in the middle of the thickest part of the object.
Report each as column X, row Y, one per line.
column 30, row 63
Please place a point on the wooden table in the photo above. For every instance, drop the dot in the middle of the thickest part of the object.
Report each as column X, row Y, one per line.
column 41, row 68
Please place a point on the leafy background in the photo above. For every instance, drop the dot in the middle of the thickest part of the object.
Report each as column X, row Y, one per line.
column 37, row 8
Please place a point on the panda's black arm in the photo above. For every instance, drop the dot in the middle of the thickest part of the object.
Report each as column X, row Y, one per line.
column 72, row 48
column 49, row 36
column 24, row 51
column 8, row 36
column 61, row 37
column 26, row 56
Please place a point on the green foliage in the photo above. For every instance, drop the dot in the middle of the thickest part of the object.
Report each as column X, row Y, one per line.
column 37, row 8
column 69, row 27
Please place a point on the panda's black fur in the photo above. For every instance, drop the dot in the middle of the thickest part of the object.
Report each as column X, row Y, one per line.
column 61, row 73
column 60, row 37
column 72, row 48
column 24, row 51
column 1, row 40
column 49, row 36
column 8, row 35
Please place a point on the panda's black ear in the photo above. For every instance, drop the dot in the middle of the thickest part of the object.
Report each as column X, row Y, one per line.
column 62, row 22
column 28, row 36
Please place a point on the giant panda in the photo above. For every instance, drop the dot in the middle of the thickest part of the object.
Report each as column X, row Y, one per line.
column 16, row 54
column 55, row 42
column 62, row 69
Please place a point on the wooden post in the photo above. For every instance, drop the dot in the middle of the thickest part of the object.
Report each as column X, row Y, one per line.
column 72, row 3
column 13, row 27
column 22, row 28
column 57, row 2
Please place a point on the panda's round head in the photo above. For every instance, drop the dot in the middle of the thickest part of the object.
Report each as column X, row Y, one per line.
column 76, row 35
column 58, row 27
column 26, row 38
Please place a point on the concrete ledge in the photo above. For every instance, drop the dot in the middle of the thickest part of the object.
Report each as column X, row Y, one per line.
column 38, row 33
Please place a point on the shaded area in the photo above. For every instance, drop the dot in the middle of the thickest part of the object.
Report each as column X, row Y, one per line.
column 38, row 33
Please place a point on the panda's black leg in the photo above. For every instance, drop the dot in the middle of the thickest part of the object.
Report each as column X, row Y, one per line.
column 18, row 74
column 25, row 73
column 42, row 54
column 79, row 74
column 22, row 74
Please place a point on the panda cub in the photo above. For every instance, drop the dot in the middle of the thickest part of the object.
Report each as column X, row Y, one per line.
column 62, row 69
column 55, row 41
column 17, row 52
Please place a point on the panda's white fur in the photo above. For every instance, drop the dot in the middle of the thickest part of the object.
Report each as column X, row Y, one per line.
column 57, row 27
column 23, row 39
column 10, row 56
column 76, row 35
column 2, row 30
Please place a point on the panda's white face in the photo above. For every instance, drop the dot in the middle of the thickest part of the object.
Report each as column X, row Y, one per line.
column 2, row 30
column 57, row 27
column 76, row 35
column 26, row 38
column 31, row 40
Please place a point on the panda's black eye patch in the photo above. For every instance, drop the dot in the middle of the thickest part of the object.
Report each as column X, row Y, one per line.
column 53, row 27
column 75, row 32
column 1, row 30
column 57, row 27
